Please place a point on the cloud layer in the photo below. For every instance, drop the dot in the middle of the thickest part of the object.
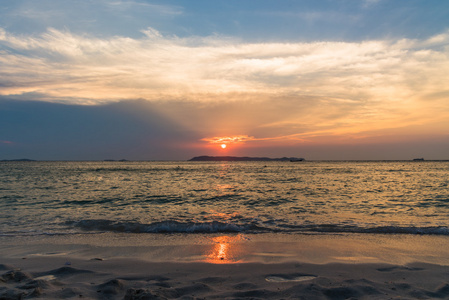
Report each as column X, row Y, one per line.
column 270, row 91
column 61, row 65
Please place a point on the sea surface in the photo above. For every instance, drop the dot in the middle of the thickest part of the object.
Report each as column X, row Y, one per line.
column 373, row 197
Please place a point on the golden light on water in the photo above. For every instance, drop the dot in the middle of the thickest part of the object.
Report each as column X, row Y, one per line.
column 224, row 250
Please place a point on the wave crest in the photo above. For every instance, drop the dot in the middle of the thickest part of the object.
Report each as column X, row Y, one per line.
column 157, row 227
column 170, row 226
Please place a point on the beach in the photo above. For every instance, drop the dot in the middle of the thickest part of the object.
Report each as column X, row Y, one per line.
column 218, row 266
column 224, row 230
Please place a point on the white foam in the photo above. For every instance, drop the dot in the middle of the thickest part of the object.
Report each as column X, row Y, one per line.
column 281, row 278
column 46, row 277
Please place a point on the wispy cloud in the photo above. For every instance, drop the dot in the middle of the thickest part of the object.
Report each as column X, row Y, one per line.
column 229, row 139
column 324, row 87
column 156, row 8
column 369, row 3
column 315, row 16
column 155, row 66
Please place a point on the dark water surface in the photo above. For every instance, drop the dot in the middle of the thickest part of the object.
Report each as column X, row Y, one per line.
column 50, row 198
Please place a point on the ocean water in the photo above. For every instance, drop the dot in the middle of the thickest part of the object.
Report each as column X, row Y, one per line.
column 65, row 198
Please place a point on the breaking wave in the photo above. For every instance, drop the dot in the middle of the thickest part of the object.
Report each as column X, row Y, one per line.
column 223, row 227
column 157, row 227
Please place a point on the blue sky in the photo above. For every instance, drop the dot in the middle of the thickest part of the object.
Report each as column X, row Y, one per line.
column 254, row 20
column 342, row 79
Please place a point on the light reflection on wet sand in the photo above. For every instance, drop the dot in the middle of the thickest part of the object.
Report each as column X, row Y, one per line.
column 225, row 250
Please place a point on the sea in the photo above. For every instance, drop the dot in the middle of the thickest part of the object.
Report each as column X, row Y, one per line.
column 182, row 197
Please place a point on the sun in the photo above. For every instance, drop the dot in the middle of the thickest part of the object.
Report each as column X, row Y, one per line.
column 223, row 146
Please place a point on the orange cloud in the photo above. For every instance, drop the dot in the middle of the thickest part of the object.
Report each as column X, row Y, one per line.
column 236, row 139
column 229, row 139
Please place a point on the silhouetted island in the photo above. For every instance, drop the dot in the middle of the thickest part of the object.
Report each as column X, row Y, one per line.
column 20, row 159
column 120, row 160
column 245, row 158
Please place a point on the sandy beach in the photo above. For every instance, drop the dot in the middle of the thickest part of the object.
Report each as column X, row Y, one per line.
column 109, row 266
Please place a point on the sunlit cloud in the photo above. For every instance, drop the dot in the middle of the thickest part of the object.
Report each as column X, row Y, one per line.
column 288, row 91
column 62, row 65
column 241, row 139
column 229, row 139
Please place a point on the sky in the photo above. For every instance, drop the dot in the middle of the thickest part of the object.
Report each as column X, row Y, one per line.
column 169, row 80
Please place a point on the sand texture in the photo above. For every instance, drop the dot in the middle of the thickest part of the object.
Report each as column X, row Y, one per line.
column 126, row 266
column 94, row 278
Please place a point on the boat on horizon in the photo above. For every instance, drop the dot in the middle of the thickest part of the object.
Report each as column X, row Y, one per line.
column 297, row 159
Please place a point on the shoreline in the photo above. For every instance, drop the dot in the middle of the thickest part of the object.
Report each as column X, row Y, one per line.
column 236, row 266
column 267, row 248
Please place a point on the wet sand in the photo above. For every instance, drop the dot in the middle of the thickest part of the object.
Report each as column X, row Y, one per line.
column 110, row 266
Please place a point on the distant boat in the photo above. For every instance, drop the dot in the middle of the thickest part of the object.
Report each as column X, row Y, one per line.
column 297, row 159
column 418, row 159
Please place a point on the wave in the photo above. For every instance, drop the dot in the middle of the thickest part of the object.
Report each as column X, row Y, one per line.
column 158, row 227
column 96, row 226
column 56, row 232
column 331, row 228
column 250, row 227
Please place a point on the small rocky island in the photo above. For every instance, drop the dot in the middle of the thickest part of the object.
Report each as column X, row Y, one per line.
column 19, row 159
column 244, row 158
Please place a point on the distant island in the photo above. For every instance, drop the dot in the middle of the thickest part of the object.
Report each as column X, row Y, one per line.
column 245, row 158
column 20, row 159
column 120, row 160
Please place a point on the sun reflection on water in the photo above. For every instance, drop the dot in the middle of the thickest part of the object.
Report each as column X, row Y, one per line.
column 225, row 250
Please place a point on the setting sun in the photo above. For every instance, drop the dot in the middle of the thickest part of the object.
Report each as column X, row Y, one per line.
column 223, row 146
